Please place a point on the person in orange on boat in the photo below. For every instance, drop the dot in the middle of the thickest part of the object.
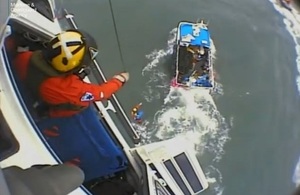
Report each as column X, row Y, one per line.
column 136, row 113
column 52, row 76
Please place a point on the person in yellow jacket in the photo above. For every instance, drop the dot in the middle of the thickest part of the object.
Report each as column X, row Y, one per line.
column 136, row 113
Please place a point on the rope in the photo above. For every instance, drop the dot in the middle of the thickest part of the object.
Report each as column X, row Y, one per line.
column 117, row 37
column 116, row 33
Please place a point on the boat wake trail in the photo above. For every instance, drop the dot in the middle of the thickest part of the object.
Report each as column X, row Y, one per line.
column 189, row 113
column 292, row 23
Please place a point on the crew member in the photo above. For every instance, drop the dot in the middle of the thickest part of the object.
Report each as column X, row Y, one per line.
column 136, row 113
column 52, row 76
column 197, row 52
column 203, row 81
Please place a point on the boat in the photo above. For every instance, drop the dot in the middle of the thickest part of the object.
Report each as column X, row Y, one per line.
column 286, row 4
column 193, row 67
column 100, row 140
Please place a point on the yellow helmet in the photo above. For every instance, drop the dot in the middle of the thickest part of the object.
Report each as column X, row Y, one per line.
column 71, row 50
column 134, row 109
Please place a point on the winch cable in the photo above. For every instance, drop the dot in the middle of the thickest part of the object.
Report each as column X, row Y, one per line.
column 117, row 35
column 136, row 135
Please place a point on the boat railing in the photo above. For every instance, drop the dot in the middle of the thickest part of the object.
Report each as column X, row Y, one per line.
column 113, row 101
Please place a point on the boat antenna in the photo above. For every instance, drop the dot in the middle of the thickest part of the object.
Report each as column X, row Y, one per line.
column 116, row 33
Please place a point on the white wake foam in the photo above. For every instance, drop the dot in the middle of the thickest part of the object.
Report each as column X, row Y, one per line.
column 292, row 23
column 191, row 113
column 296, row 176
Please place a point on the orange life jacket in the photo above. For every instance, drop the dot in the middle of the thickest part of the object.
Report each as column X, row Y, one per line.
column 66, row 95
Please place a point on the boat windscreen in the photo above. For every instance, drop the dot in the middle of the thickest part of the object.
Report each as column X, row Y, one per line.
column 189, row 172
column 171, row 168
